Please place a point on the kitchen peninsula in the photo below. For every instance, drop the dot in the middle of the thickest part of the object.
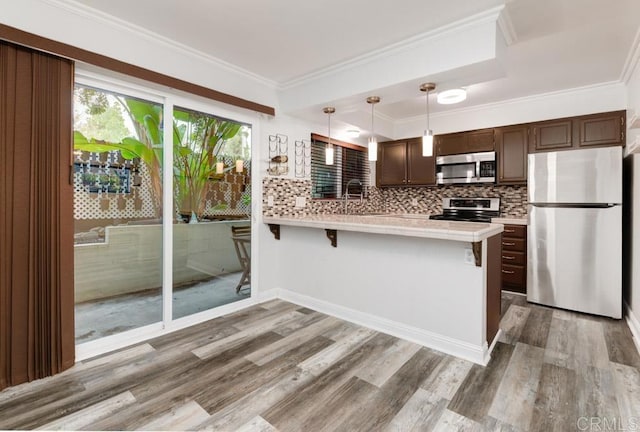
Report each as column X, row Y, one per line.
column 436, row 283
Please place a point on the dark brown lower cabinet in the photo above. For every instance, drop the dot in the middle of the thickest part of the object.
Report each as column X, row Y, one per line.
column 514, row 258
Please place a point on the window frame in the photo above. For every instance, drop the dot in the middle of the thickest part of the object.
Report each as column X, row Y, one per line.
column 343, row 146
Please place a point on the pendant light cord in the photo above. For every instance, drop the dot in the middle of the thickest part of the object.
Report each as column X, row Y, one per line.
column 329, row 130
column 372, row 133
column 427, row 98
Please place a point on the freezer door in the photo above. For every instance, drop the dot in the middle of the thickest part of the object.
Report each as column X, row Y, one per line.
column 574, row 259
column 577, row 176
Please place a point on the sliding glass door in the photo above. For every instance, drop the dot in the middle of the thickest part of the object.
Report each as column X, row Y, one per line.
column 127, row 215
column 212, row 199
column 117, row 212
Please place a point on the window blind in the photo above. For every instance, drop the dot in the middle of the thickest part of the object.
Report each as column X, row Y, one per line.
column 350, row 163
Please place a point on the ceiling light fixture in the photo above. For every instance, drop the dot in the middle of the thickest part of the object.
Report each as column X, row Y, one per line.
column 452, row 96
column 353, row 133
column 373, row 143
column 427, row 138
column 328, row 150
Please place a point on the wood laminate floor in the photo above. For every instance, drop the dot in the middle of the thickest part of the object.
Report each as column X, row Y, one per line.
column 278, row 366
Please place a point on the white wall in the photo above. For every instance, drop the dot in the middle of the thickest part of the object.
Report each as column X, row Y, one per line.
column 295, row 130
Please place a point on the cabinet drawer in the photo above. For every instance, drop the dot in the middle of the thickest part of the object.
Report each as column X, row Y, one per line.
column 518, row 231
column 513, row 244
column 513, row 258
column 513, row 275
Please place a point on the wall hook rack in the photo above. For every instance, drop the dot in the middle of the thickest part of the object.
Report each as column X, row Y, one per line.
column 302, row 158
column 278, row 155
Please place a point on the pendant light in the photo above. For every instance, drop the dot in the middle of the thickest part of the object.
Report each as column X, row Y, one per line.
column 328, row 150
column 427, row 138
column 373, row 143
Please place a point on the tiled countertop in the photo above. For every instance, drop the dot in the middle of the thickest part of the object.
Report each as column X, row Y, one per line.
column 509, row 221
column 403, row 225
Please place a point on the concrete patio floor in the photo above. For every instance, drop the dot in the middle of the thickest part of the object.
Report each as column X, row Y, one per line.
column 102, row 318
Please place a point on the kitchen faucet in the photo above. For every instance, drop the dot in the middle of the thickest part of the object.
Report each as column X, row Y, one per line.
column 347, row 195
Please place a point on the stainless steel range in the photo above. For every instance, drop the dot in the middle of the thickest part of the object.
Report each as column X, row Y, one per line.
column 469, row 209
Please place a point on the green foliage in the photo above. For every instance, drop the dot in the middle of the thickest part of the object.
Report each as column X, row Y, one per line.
column 107, row 124
column 198, row 139
column 95, row 101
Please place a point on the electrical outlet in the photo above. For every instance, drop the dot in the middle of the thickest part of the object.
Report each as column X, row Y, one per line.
column 301, row 201
column 270, row 201
column 468, row 257
column 414, row 202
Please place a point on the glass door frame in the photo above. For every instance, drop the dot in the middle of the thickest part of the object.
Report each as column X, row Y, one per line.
column 169, row 99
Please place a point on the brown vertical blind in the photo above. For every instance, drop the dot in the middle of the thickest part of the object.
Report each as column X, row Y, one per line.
column 36, row 215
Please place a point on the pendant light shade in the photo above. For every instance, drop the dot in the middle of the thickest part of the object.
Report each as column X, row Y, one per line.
column 427, row 138
column 373, row 142
column 427, row 143
column 328, row 150
column 373, row 149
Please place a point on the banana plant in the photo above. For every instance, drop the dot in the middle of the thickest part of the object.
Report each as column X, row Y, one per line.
column 198, row 139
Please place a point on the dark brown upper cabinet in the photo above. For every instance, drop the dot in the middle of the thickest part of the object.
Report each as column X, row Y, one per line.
column 400, row 163
column 511, row 152
column 595, row 130
column 464, row 142
column 601, row 129
column 421, row 171
column 391, row 167
column 551, row 135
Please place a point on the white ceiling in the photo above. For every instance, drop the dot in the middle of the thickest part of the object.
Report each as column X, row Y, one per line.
column 558, row 44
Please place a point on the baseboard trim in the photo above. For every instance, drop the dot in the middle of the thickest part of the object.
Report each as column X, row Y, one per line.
column 488, row 352
column 268, row 295
column 634, row 325
column 514, row 293
column 461, row 349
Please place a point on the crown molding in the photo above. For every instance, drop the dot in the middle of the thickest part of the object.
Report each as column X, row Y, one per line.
column 524, row 99
column 632, row 61
column 121, row 25
column 490, row 15
column 506, row 27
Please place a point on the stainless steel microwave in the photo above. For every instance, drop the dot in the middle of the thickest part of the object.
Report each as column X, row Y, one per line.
column 466, row 168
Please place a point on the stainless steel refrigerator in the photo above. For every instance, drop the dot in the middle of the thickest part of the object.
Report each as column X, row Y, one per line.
column 574, row 240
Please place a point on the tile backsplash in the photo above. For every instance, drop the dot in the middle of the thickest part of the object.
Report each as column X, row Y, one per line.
column 425, row 200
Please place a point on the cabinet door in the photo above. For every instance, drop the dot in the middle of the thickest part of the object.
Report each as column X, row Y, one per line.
column 480, row 141
column 421, row 171
column 512, row 148
column 391, row 168
column 551, row 135
column 601, row 129
column 450, row 144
